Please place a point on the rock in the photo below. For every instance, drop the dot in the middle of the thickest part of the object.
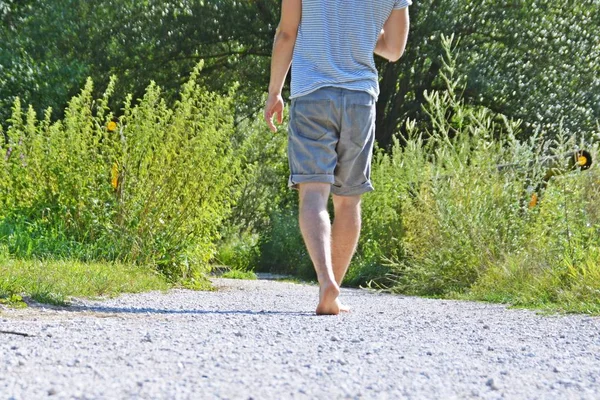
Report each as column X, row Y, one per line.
column 492, row 384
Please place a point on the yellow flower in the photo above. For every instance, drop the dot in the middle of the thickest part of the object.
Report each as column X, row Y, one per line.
column 115, row 175
column 582, row 160
column 534, row 200
column 111, row 126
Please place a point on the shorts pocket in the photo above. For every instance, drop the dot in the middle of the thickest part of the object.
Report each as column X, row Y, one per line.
column 362, row 120
column 311, row 119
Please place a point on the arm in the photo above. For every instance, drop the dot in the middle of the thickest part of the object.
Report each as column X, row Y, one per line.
column 283, row 49
column 392, row 40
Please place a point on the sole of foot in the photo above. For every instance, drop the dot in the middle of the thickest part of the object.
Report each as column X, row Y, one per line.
column 328, row 304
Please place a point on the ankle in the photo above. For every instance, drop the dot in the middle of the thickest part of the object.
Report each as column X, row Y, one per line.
column 326, row 280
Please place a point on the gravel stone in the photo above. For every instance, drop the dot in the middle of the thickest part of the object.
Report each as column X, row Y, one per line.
column 492, row 384
column 261, row 340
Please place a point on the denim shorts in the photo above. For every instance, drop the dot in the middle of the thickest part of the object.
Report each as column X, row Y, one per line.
column 330, row 140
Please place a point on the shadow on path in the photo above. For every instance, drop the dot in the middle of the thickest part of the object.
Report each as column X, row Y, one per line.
column 149, row 310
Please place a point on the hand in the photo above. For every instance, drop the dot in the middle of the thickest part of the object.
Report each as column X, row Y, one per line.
column 274, row 106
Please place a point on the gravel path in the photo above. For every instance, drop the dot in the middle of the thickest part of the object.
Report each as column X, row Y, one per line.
column 261, row 340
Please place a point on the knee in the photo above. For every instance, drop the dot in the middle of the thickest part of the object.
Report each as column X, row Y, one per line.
column 346, row 203
column 314, row 195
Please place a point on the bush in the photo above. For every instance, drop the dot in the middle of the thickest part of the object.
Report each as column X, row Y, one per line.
column 262, row 232
column 452, row 214
column 559, row 259
column 261, row 186
column 238, row 250
column 282, row 248
column 151, row 186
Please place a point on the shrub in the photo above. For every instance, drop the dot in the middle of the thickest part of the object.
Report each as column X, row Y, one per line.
column 238, row 250
column 282, row 248
column 262, row 232
column 261, row 185
column 151, row 186
column 452, row 213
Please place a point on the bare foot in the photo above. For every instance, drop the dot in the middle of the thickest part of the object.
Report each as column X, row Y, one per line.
column 328, row 300
column 342, row 307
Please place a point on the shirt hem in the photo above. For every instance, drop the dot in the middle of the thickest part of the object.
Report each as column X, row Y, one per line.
column 373, row 93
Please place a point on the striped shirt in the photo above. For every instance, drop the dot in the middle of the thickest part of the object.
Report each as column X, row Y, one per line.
column 335, row 44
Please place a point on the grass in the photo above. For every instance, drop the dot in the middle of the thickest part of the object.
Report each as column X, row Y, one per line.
column 572, row 289
column 298, row 280
column 542, row 307
column 236, row 274
column 55, row 281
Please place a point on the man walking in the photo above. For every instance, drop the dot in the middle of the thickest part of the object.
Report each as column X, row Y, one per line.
column 330, row 46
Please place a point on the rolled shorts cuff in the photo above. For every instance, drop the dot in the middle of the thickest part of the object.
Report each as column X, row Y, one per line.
column 352, row 190
column 321, row 178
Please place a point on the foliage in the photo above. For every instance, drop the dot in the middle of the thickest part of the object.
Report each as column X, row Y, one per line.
column 54, row 281
column 151, row 187
column 465, row 226
column 237, row 274
column 282, row 248
column 238, row 251
column 528, row 60
column 261, row 187
column 558, row 263
column 154, row 182
column 451, row 213
column 49, row 48
column 262, row 231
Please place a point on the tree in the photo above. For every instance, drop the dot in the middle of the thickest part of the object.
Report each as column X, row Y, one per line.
column 531, row 60
column 49, row 48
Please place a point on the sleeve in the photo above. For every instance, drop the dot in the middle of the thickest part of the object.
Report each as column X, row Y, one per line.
column 399, row 4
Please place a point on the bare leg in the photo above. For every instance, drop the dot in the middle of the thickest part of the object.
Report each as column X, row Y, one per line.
column 345, row 233
column 316, row 231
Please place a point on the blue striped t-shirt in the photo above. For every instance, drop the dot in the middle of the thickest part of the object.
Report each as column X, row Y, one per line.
column 335, row 44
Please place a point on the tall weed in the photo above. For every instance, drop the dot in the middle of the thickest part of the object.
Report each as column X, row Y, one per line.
column 262, row 231
column 453, row 209
column 150, row 186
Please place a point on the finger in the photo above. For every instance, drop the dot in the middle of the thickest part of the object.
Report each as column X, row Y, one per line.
column 280, row 117
column 269, row 120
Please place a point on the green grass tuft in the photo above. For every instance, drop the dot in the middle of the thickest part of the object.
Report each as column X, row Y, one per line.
column 236, row 274
column 55, row 281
